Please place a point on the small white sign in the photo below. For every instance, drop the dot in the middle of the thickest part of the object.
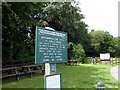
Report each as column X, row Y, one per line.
column 102, row 56
column 105, row 56
column 53, row 81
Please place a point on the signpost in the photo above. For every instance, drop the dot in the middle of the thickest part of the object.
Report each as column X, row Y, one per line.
column 47, row 69
column 50, row 48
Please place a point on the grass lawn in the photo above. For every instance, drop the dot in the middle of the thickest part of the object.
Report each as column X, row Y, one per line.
column 76, row 76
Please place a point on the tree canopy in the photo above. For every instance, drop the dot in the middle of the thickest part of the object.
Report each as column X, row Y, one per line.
column 20, row 18
column 102, row 42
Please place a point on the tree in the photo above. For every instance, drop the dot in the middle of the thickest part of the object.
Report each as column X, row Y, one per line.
column 102, row 42
column 18, row 28
column 20, row 18
column 68, row 18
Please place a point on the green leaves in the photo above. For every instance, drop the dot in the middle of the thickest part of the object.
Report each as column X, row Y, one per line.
column 102, row 42
column 79, row 53
column 20, row 18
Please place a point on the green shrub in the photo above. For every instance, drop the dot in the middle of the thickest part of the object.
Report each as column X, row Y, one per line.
column 79, row 53
column 25, row 57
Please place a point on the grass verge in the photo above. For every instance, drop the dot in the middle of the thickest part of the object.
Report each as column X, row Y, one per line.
column 76, row 76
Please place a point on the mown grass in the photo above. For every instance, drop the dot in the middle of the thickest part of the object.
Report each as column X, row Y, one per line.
column 76, row 76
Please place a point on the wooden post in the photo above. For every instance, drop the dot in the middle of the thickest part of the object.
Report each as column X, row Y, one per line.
column 47, row 69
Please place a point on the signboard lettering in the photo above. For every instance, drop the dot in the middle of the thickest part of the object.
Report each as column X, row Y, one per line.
column 50, row 46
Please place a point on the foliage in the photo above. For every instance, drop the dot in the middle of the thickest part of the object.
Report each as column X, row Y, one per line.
column 16, row 41
column 79, row 53
column 20, row 18
column 102, row 42
column 68, row 18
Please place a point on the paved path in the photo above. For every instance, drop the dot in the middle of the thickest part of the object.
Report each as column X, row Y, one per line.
column 115, row 73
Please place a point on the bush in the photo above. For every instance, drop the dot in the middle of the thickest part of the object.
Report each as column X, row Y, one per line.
column 79, row 53
column 24, row 56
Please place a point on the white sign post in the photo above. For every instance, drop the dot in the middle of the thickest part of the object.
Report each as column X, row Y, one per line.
column 47, row 69
column 50, row 48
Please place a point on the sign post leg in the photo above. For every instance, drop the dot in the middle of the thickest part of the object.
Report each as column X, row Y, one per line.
column 47, row 69
column 50, row 68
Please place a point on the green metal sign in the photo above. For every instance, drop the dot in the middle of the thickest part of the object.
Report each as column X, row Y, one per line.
column 50, row 46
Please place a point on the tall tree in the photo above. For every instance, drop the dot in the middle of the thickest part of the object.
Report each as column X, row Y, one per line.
column 20, row 18
column 102, row 42
column 68, row 18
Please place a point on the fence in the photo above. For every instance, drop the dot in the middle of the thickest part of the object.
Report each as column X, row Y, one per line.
column 115, row 60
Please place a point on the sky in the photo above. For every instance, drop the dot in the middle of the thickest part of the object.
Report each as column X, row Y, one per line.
column 101, row 15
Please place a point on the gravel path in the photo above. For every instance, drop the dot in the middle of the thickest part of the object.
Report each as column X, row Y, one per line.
column 115, row 72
